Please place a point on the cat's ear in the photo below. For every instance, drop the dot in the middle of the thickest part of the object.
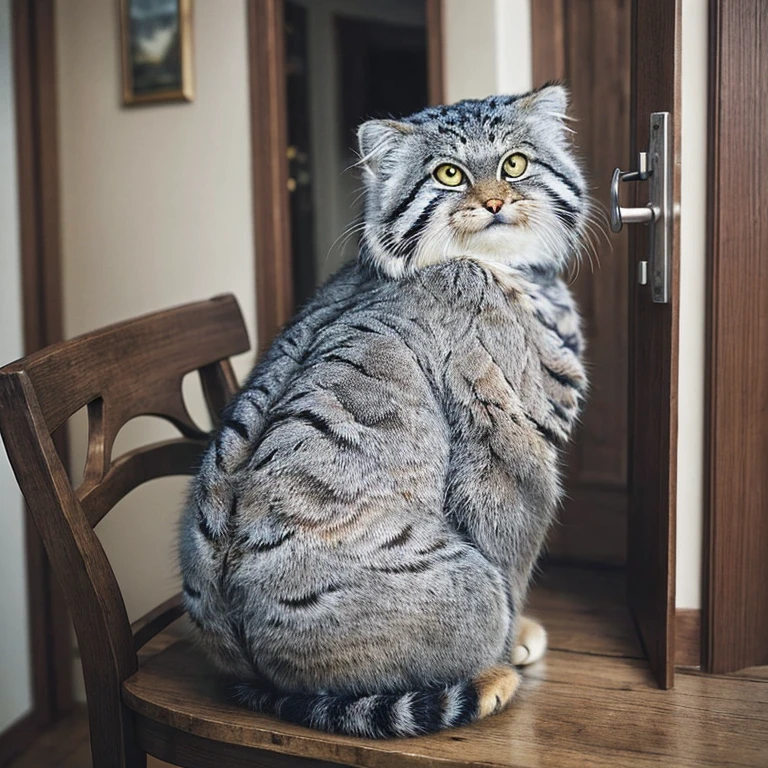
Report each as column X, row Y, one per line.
column 550, row 99
column 376, row 139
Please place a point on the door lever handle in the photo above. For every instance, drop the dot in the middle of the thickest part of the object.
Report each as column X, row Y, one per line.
column 621, row 216
column 655, row 166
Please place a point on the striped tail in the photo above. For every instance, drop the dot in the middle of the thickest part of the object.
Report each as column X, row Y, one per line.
column 389, row 715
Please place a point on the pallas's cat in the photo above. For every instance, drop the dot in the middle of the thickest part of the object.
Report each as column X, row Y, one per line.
column 358, row 542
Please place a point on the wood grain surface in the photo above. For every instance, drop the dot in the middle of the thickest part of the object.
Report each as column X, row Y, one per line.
column 590, row 702
column 269, row 162
column 39, row 199
column 736, row 607
column 586, row 45
column 654, row 354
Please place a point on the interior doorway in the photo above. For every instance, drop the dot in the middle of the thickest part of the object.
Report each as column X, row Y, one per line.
column 345, row 63
column 306, row 201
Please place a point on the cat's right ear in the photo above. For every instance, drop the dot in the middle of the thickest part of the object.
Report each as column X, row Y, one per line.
column 376, row 140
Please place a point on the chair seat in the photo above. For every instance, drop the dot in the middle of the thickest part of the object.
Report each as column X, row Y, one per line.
column 178, row 690
column 597, row 706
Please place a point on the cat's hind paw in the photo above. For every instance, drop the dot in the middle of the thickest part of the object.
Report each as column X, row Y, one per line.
column 530, row 643
column 495, row 688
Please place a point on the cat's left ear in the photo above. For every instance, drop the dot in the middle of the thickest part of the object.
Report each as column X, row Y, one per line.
column 376, row 140
column 551, row 100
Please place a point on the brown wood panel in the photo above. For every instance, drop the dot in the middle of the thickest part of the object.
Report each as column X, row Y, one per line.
column 548, row 40
column 736, row 607
column 591, row 528
column 34, row 56
column 584, row 610
column 653, row 355
column 269, row 146
column 586, row 45
column 597, row 69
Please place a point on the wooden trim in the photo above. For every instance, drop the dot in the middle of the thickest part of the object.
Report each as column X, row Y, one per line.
column 736, row 578
column 38, row 178
column 548, row 28
column 687, row 637
column 38, row 166
column 435, row 52
column 269, row 144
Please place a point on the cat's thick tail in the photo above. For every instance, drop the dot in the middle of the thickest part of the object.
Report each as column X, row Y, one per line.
column 388, row 715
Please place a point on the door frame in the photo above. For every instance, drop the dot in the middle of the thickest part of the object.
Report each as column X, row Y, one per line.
column 269, row 161
column 34, row 72
column 729, row 597
column 735, row 594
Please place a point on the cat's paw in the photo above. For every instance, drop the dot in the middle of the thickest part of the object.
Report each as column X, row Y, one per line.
column 530, row 643
column 495, row 688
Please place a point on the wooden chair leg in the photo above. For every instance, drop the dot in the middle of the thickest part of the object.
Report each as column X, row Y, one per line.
column 113, row 742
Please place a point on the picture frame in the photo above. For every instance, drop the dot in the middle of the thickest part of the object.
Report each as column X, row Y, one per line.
column 156, row 48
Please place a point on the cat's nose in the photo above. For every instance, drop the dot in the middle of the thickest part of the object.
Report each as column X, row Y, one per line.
column 493, row 205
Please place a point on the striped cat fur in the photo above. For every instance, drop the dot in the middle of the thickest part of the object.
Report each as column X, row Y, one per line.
column 358, row 542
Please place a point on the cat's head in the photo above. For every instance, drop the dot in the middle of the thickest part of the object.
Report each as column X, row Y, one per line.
column 494, row 179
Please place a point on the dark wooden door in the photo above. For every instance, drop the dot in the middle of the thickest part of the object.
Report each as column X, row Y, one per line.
column 620, row 59
column 653, row 354
column 587, row 46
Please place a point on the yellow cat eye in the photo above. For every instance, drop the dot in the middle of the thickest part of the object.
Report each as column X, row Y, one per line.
column 449, row 175
column 514, row 166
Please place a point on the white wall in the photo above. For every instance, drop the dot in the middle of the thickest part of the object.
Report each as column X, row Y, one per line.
column 691, row 379
column 487, row 48
column 15, row 681
column 156, row 211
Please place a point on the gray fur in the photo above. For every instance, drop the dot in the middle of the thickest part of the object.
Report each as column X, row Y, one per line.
column 359, row 540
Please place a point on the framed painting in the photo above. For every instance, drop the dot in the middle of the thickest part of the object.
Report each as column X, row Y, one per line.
column 156, row 41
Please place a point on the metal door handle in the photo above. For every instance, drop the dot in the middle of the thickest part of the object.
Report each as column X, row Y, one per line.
column 621, row 216
column 654, row 166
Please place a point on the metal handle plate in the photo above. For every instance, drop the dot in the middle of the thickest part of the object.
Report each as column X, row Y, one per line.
column 655, row 166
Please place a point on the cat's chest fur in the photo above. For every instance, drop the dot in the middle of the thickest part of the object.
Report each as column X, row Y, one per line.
column 508, row 343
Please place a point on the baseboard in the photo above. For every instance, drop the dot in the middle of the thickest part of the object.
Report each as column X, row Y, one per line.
column 17, row 737
column 687, row 637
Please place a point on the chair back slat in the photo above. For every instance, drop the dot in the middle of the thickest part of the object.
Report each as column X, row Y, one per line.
column 162, row 348
column 130, row 369
column 145, row 628
column 105, row 421
column 165, row 459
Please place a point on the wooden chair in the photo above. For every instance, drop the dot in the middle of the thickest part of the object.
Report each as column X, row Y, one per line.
column 170, row 704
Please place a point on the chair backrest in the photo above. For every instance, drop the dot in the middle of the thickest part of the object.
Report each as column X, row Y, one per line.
column 127, row 370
